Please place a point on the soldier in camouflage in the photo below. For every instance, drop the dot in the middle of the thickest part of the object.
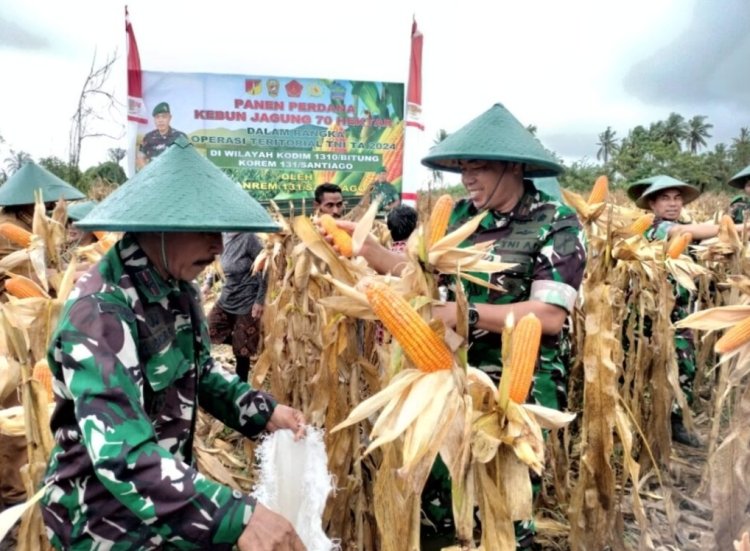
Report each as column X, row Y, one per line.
column 739, row 207
column 495, row 156
column 132, row 364
column 665, row 196
column 158, row 140
column 386, row 191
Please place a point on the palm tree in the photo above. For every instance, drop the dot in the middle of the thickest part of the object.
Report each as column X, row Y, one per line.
column 697, row 132
column 607, row 144
column 741, row 148
column 744, row 137
column 532, row 129
column 437, row 175
column 674, row 130
column 16, row 161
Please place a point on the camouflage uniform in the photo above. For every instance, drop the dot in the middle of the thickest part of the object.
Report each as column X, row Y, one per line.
column 545, row 240
column 131, row 361
column 738, row 208
column 154, row 143
column 388, row 194
column 683, row 338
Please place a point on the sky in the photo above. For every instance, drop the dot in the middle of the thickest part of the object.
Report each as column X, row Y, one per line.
column 571, row 68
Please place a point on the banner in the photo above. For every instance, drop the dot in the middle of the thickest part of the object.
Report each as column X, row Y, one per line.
column 280, row 137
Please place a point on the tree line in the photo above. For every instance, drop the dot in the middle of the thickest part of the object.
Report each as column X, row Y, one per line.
column 671, row 146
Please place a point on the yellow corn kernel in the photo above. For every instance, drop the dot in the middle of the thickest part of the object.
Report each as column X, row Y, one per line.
column 737, row 335
column 340, row 237
column 641, row 224
column 42, row 373
column 524, row 352
column 15, row 234
column 599, row 191
column 23, row 287
column 679, row 244
column 423, row 346
column 439, row 217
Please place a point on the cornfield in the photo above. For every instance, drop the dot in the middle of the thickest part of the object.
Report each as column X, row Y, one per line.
column 612, row 479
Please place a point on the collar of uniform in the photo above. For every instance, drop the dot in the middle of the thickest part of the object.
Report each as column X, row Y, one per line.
column 522, row 210
column 149, row 283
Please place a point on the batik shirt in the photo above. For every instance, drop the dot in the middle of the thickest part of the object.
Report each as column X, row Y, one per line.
column 544, row 239
column 131, row 364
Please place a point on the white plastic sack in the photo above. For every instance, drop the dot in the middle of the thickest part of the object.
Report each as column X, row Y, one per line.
column 294, row 481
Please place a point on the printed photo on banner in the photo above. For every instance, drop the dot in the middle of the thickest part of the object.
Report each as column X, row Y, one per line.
column 281, row 137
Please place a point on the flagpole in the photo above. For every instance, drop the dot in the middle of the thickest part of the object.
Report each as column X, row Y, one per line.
column 414, row 126
column 136, row 106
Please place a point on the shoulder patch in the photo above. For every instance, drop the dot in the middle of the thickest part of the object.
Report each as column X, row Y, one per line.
column 565, row 243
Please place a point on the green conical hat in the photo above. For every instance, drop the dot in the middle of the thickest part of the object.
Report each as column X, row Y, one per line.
column 179, row 191
column 495, row 135
column 77, row 211
column 549, row 185
column 740, row 179
column 644, row 190
column 19, row 189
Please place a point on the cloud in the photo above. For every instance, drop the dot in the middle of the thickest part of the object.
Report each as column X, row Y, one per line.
column 704, row 66
column 14, row 36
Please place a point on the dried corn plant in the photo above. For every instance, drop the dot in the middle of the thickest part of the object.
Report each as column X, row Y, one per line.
column 626, row 365
column 432, row 402
column 728, row 466
column 28, row 319
column 321, row 362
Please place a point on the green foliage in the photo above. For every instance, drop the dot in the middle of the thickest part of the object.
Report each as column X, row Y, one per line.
column 107, row 172
column 580, row 176
column 62, row 169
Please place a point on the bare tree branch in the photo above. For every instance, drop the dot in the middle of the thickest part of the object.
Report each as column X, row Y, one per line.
column 93, row 100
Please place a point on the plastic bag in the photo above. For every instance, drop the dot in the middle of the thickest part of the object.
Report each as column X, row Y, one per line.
column 294, row 481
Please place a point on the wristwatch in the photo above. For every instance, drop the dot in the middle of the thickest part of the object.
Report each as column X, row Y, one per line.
column 473, row 315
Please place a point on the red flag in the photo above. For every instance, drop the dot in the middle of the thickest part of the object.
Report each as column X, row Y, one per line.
column 414, row 91
column 136, row 107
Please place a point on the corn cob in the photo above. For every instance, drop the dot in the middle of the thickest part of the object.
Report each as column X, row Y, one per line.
column 420, row 343
column 641, row 224
column 106, row 240
column 23, row 287
column 599, row 191
column 524, row 353
column 15, row 234
column 679, row 244
column 340, row 237
column 439, row 217
column 738, row 335
column 42, row 373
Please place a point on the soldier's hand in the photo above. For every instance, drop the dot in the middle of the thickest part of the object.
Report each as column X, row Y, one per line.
column 284, row 417
column 447, row 312
column 269, row 531
column 257, row 311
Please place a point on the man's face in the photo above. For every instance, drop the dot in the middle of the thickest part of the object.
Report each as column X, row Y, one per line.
column 480, row 178
column 331, row 203
column 161, row 121
column 667, row 205
column 747, row 187
column 73, row 234
column 188, row 253
column 382, row 176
